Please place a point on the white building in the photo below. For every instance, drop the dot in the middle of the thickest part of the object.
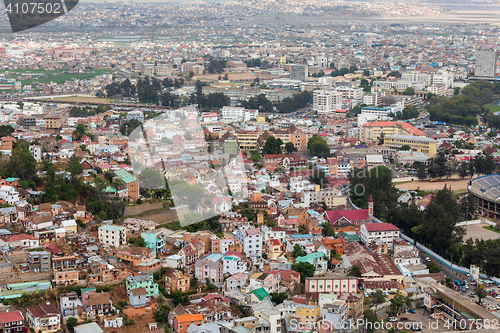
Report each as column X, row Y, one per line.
column 43, row 318
column 326, row 101
column 273, row 232
column 113, row 235
column 9, row 194
column 384, row 231
column 443, row 77
column 69, row 305
column 350, row 92
column 137, row 115
column 36, row 152
column 235, row 282
column 250, row 240
column 233, row 265
column 238, row 113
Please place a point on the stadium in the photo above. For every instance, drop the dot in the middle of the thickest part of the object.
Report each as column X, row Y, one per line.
column 486, row 192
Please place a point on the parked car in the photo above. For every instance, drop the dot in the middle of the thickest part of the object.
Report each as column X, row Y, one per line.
column 403, row 319
column 428, row 259
column 416, row 328
column 411, row 311
column 392, row 319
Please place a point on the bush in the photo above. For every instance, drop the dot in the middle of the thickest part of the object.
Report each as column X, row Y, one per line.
column 139, row 201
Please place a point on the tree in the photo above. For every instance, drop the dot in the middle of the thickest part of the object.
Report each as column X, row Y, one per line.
column 328, row 230
column 409, row 91
column 278, row 298
column 405, row 147
column 305, row 269
column 355, row 270
column 366, row 72
column 297, row 251
column 318, row 147
column 21, row 164
column 480, row 293
column 456, row 91
column 290, row 148
column 397, row 303
column 378, row 297
column 71, row 322
column 74, row 166
column 272, row 145
column 408, row 300
column 137, row 241
column 433, row 268
column 129, row 126
column 370, row 318
column 381, row 139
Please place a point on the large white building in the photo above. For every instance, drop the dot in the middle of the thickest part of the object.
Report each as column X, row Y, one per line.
column 443, row 77
column 113, row 235
column 238, row 113
column 250, row 240
column 383, row 231
column 326, row 101
column 486, row 63
column 137, row 115
column 350, row 92
column 233, row 265
column 9, row 194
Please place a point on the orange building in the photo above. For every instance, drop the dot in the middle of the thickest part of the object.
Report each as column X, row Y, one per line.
column 182, row 322
column 176, row 280
column 66, row 277
column 312, row 226
column 273, row 248
column 334, row 244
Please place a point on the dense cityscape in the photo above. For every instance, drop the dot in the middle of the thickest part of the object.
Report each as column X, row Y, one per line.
column 248, row 167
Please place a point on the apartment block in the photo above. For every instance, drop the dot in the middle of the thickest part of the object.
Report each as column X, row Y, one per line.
column 113, row 235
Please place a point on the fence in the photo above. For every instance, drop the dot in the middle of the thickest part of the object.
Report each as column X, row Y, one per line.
column 433, row 254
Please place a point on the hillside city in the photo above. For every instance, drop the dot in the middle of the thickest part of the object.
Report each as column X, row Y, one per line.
column 251, row 167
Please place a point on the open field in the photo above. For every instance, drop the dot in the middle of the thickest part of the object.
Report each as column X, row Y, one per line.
column 457, row 185
column 493, row 108
column 77, row 99
column 476, row 231
column 48, row 76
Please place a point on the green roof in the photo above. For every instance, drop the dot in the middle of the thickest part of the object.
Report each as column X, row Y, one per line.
column 110, row 189
column 310, row 256
column 351, row 238
column 149, row 263
column 125, row 176
column 261, row 293
column 466, row 315
column 11, row 179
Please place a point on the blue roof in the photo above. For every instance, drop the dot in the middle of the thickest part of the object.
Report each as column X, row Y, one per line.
column 214, row 256
column 301, row 236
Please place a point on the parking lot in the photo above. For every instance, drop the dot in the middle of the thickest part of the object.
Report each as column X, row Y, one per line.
column 423, row 320
column 476, row 231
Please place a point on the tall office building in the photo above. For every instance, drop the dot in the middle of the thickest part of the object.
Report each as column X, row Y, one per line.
column 486, row 63
column 326, row 101
column 298, row 72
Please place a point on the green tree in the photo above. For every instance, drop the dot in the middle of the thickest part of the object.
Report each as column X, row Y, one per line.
column 370, row 318
column 272, row 145
column 480, row 293
column 278, row 298
column 433, row 268
column 305, row 269
column 397, row 303
column 71, row 322
column 378, row 297
column 290, row 148
column 409, row 91
column 74, row 166
column 355, row 270
column 327, row 230
column 21, row 164
column 405, row 147
column 129, row 126
column 297, row 251
column 318, row 147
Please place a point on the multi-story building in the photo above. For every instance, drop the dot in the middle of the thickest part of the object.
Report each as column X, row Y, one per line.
column 56, row 119
column 233, row 265
column 326, row 101
column 372, row 130
column 11, row 322
column 69, row 305
column 66, row 277
column 238, row 113
column 332, row 283
column 113, row 235
column 176, row 280
column 86, row 292
column 350, row 93
column 208, row 268
column 332, row 197
column 308, row 314
column 419, row 144
column 486, row 63
column 137, row 115
column 156, row 70
column 44, row 318
column 9, row 195
column 36, row 152
column 39, row 261
column 154, row 239
column 182, row 322
column 64, row 263
column 250, row 240
column 130, row 183
column 142, row 281
column 99, row 305
column 298, row 72
column 386, row 232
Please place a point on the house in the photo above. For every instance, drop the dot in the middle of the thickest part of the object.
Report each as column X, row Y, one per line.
column 273, row 232
column 222, row 204
column 235, row 282
column 142, row 281
column 274, row 248
column 207, row 268
column 386, row 232
column 233, row 264
column 259, row 295
column 331, row 283
column 250, row 240
column 289, row 278
column 99, row 305
column 12, row 321
column 66, row 277
column 155, row 240
column 317, row 259
column 176, row 280
column 271, row 316
column 43, row 318
column 112, row 235
column 86, row 292
column 270, row 281
column 69, row 305
column 70, row 226
column 138, row 297
column 182, row 322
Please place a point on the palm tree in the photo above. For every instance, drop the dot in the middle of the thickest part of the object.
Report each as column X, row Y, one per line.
column 480, row 293
column 355, row 270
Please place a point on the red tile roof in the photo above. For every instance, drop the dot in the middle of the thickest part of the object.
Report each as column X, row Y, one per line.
column 7, row 317
column 348, row 214
column 43, row 310
column 372, row 227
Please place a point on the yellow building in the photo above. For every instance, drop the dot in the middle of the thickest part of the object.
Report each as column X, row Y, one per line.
column 419, row 144
column 248, row 139
column 373, row 129
column 55, row 120
column 308, row 314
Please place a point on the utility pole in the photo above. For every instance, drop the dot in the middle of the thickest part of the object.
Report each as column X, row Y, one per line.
column 466, row 218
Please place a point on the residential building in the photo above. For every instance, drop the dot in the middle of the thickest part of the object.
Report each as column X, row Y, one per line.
column 136, row 115
column 372, row 130
column 86, row 292
column 308, row 314
column 99, row 305
column 182, row 322
column 176, row 280
column 113, row 235
column 326, row 102
column 69, row 305
column 486, row 62
column 298, row 72
column 250, row 240
column 317, row 259
column 208, row 268
column 36, row 152
column 235, row 282
column 331, row 283
column 418, row 144
column 43, row 318
column 9, row 194
column 11, row 321
column 233, row 264
column 386, row 232
column 238, row 113
column 56, row 119
column 142, row 281
column 66, row 277
column 39, row 261
column 269, row 315
column 138, row 297
column 154, row 239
